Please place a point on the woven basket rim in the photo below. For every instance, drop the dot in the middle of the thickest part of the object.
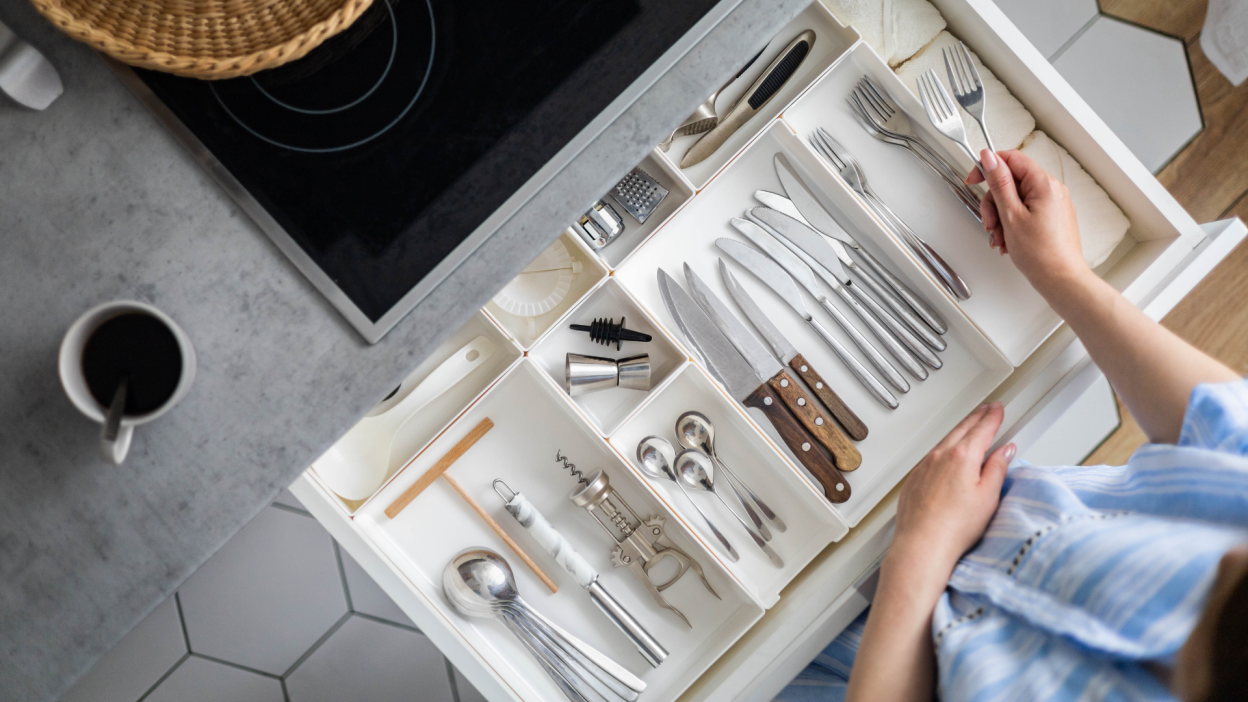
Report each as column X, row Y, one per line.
column 203, row 67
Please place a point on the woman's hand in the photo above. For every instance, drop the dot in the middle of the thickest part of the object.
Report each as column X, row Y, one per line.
column 1028, row 214
column 949, row 497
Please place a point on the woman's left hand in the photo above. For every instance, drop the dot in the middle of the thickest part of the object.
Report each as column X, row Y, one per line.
column 951, row 495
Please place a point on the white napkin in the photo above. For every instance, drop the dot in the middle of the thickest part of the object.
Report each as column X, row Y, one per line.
column 1008, row 121
column 894, row 28
column 1224, row 38
column 1101, row 224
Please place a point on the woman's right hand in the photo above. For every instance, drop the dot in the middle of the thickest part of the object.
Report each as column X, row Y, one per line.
column 1028, row 214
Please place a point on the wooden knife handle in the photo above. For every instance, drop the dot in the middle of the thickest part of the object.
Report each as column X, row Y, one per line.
column 821, row 427
column 803, row 445
column 841, row 411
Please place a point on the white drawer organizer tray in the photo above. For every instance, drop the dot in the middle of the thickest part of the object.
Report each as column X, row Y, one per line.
column 1003, row 344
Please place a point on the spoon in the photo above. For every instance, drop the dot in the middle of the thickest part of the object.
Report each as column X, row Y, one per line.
column 112, row 423
column 697, row 471
column 696, row 431
column 656, row 457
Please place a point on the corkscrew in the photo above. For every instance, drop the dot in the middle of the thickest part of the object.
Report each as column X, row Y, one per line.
column 640, row 544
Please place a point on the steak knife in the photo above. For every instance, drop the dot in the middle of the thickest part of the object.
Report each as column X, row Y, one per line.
column 754, row 99
column 748, row 388
column 819, row 219
column 765, row 366
column 787, row 353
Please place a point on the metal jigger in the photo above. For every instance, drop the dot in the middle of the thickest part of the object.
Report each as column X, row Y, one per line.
column 585, row 374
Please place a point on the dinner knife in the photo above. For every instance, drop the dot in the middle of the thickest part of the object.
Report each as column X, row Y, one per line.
column 787, row 353
column 765, row 366
column 821, row 221
column 805, row 277
column 813, row 250
column 916, row 326
column 754, row 99
column 747, row 388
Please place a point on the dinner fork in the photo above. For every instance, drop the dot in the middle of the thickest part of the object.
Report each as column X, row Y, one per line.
column 942, row 113
column 967, row 86
column 849, row 170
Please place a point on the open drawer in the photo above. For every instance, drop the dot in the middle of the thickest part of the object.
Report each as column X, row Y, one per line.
column 769, row 619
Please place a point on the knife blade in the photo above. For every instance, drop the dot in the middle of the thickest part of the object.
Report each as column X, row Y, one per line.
column 821, row 221
column 755, row 98
column 803, row 274
column 814, row 251
column 899, row 309
column 787, row 353
column 766, row 366
column 775, row 278
column 750, row 390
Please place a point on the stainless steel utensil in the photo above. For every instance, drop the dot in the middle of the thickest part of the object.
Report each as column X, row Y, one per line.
column 942, row 113
column 655, row 455
column 695, row 430
column 696, row 471
column 705, row 117
column 112, row 421
column 967, row 86
column 639, row 194
column 582, row 572
column 745, row 386
column 756, row 97
column 787, row 353
column 26, row 76
column 849, row 170
column 599, row 226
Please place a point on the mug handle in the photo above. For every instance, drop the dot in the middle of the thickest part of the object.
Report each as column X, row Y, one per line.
column 116, row 449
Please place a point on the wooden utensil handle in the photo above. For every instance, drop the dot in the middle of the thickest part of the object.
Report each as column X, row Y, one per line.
column 498, row 529
column 439, row 468
column 853, row 426
column 803, row 445
column 808, row 413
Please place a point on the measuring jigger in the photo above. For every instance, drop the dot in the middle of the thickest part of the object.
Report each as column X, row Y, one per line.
column 581, row 571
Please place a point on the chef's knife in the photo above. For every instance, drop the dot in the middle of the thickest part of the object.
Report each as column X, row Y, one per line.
column 814, row 251
column 916, row 326
column 787, row 353
column 747, row 388
column 754, row 99
column 805, row 277
column 766, row 366
column 821, row 221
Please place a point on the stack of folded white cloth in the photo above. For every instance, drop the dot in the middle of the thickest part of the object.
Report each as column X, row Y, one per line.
column 896, row 29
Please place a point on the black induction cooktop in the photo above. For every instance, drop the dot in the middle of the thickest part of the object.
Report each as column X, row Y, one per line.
column 374, row 160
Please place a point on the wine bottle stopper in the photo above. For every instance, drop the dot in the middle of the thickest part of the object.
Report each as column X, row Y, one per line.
column 607, row 332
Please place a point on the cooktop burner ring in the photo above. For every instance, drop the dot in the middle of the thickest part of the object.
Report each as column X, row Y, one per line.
column 310, row 114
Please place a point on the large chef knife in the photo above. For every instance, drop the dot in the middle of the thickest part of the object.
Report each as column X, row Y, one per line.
column 821, row 221
column 748, row 388
column 787, row 353
column 754, row 99
column 814, row 251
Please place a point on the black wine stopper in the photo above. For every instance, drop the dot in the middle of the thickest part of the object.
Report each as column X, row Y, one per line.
column 607, row 332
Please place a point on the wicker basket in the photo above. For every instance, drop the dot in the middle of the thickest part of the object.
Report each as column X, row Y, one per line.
column 210, row 39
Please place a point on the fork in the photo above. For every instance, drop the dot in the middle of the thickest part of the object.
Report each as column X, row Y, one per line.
column 849, row 170
column 943, row 114
column 967, row 86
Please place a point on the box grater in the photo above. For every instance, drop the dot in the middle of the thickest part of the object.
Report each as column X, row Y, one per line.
column 638, row 194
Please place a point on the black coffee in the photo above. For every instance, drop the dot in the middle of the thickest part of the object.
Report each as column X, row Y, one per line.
column 139, row 347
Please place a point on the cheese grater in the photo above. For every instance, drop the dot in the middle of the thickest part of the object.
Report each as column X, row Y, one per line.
column 639, row 194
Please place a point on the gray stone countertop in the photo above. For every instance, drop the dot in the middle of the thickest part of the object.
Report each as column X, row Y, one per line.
column 98, row 202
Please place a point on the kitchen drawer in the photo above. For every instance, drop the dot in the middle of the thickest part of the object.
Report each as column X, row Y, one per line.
column 770, row 621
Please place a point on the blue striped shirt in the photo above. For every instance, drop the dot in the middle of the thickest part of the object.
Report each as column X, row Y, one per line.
column 1085, row 573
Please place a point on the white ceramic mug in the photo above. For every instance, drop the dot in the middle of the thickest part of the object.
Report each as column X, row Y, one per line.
column 75, row 383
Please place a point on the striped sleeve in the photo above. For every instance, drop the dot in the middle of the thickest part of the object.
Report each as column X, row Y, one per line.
column 1217, row 418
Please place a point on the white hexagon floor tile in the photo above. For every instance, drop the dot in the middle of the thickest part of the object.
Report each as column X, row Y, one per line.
column 202, row 680
column 369, row 660
column 367, row 597
column 1138, row 81
column 268, row 595
column 1051, row 23
column 136, row 662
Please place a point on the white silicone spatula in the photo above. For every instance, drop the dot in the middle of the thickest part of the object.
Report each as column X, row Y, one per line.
column 357, row 465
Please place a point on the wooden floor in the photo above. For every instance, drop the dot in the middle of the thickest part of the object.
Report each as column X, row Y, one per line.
column 1209, row 177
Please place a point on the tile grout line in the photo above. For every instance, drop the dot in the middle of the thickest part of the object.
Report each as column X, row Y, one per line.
column 342, row 574
column 450, row 674
column 293, row 510
column 186, row 636
column 1069, row 42
column 164, row 677
column 379, row 620
column 239, row 666
column 285, row 692
column 312, row 649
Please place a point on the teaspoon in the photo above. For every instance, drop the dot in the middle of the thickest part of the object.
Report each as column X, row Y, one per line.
column 656, row 457
column 696, row 471
column 696, row 431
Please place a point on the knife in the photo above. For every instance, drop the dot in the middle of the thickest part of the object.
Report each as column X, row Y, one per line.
column 805, row 277
column 819, row 219
column 754, row 99
column 747, row 388
column 916, row 326
column 766, row 366
column 785, row 351
column 814, row 251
